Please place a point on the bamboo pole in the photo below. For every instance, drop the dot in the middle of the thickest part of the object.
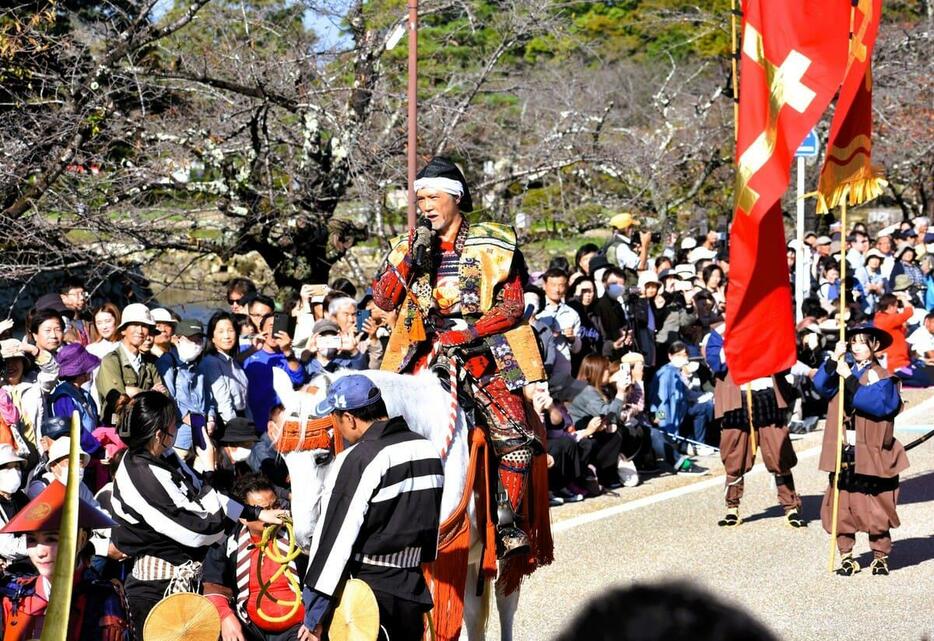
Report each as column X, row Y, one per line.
column 841, row 321
column 752, row 425
column 412, row 110
column 56, row 620
column 735, row 66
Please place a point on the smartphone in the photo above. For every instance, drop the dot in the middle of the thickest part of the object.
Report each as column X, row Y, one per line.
column 198, row 423
column 283, row 322
column 329, row 342
column 362, row 316
column 316, row 292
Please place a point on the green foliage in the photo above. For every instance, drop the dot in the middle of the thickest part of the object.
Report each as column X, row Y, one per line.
column 603, row 32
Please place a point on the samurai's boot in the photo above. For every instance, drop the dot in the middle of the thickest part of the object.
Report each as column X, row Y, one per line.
column 794, row 519
column 513, row 476
column 880, row 566
column 848, row 566
column 731, row 519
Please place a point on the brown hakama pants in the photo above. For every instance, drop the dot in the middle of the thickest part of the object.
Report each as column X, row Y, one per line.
column 777, row 454
column 873, row 514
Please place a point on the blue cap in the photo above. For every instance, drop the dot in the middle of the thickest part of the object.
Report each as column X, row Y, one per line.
column 349, row 393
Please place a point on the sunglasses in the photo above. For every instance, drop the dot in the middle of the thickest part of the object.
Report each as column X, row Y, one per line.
column 231, row 301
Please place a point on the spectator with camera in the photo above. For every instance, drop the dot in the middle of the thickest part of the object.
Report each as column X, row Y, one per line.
column 620, row 251
column 670, row 406
column 609, row 310
column 596, row 416
column 643, row 316
column 274, row 352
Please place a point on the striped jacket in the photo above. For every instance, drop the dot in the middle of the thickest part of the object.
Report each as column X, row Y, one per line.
column 165, row 510
column 379, row 518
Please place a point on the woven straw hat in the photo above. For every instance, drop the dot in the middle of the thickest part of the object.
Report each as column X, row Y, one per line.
column 357, row 615
column 185, row 616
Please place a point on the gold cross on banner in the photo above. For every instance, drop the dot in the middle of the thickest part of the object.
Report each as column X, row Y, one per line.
column 785, row 88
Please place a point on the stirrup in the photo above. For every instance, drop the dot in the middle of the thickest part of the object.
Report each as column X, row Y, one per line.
column 731, row 519
column 511, row 541
column 848, row 566
column 880, row 566
column 793, row 519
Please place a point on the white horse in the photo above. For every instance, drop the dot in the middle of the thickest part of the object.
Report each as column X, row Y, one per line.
column 426, row 406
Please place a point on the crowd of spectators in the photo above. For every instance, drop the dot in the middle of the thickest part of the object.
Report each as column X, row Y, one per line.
column 622, row 330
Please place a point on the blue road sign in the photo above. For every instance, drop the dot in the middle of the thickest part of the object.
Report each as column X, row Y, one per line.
column 808, row 147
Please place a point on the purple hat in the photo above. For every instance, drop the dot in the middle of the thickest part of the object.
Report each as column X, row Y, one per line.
column 74, row 360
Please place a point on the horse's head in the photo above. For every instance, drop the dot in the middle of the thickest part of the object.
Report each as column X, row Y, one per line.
column 306, row 442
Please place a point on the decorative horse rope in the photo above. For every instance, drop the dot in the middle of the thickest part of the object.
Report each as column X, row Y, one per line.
column 269, row 547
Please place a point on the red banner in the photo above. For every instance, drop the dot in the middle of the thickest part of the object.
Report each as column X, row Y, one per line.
column 794, row 56
column 848, row 171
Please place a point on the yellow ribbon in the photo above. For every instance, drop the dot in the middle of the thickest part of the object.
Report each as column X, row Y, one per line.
column 268, row 547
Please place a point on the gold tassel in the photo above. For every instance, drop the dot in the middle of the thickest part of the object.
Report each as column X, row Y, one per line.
column 865, row 186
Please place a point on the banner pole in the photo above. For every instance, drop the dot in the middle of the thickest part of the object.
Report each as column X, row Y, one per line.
column 841, row 321
column 801, row 266
column 56, row 620
column 733, row 62
column 412, row 110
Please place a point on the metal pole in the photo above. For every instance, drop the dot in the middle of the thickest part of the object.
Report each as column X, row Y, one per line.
column 413, row 109
column 801, row 260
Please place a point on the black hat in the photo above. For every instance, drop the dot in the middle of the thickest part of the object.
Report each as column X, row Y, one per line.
column 441, row 167
column 54, row 427
column 238, row 430
column 51, row 301
column 882, row 336
column 597, row 262
column 189, row 327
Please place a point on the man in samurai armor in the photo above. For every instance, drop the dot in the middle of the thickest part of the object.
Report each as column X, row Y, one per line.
column 457, row 284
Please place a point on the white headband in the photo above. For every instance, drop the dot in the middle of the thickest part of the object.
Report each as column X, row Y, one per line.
column 447, row 185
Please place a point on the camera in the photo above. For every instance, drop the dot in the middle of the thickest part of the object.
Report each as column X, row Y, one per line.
column 329, row 342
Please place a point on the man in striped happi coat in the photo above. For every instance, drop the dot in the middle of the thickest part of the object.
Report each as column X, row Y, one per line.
column 379, row 519
column 233, row 582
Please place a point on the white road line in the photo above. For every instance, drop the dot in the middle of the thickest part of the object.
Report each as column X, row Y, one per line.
column 629, row 506
column 700, row 486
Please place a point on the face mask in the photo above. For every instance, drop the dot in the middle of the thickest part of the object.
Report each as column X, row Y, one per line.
column 239, row 454
column 10, row 480
column 615, row 290
column 330, row 353
column 63, row 476
column 679, row 361
column 189, row 351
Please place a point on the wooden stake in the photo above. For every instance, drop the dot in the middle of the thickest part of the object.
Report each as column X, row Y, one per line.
column 841, row 321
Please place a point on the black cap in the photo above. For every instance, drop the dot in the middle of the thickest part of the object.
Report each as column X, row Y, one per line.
column 441, row 167
column 189, row 327
column 238, row 430
column 51, row 301
column 597, row 262
column 55, row 426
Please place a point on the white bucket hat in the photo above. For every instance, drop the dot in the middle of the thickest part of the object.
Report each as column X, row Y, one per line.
column 61, row 447
column 162, row 315
column 8, row 455
column 646, row 278
column 136, row 313
column 701, row 253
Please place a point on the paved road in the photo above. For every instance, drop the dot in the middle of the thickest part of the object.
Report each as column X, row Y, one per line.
column 666, row 528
